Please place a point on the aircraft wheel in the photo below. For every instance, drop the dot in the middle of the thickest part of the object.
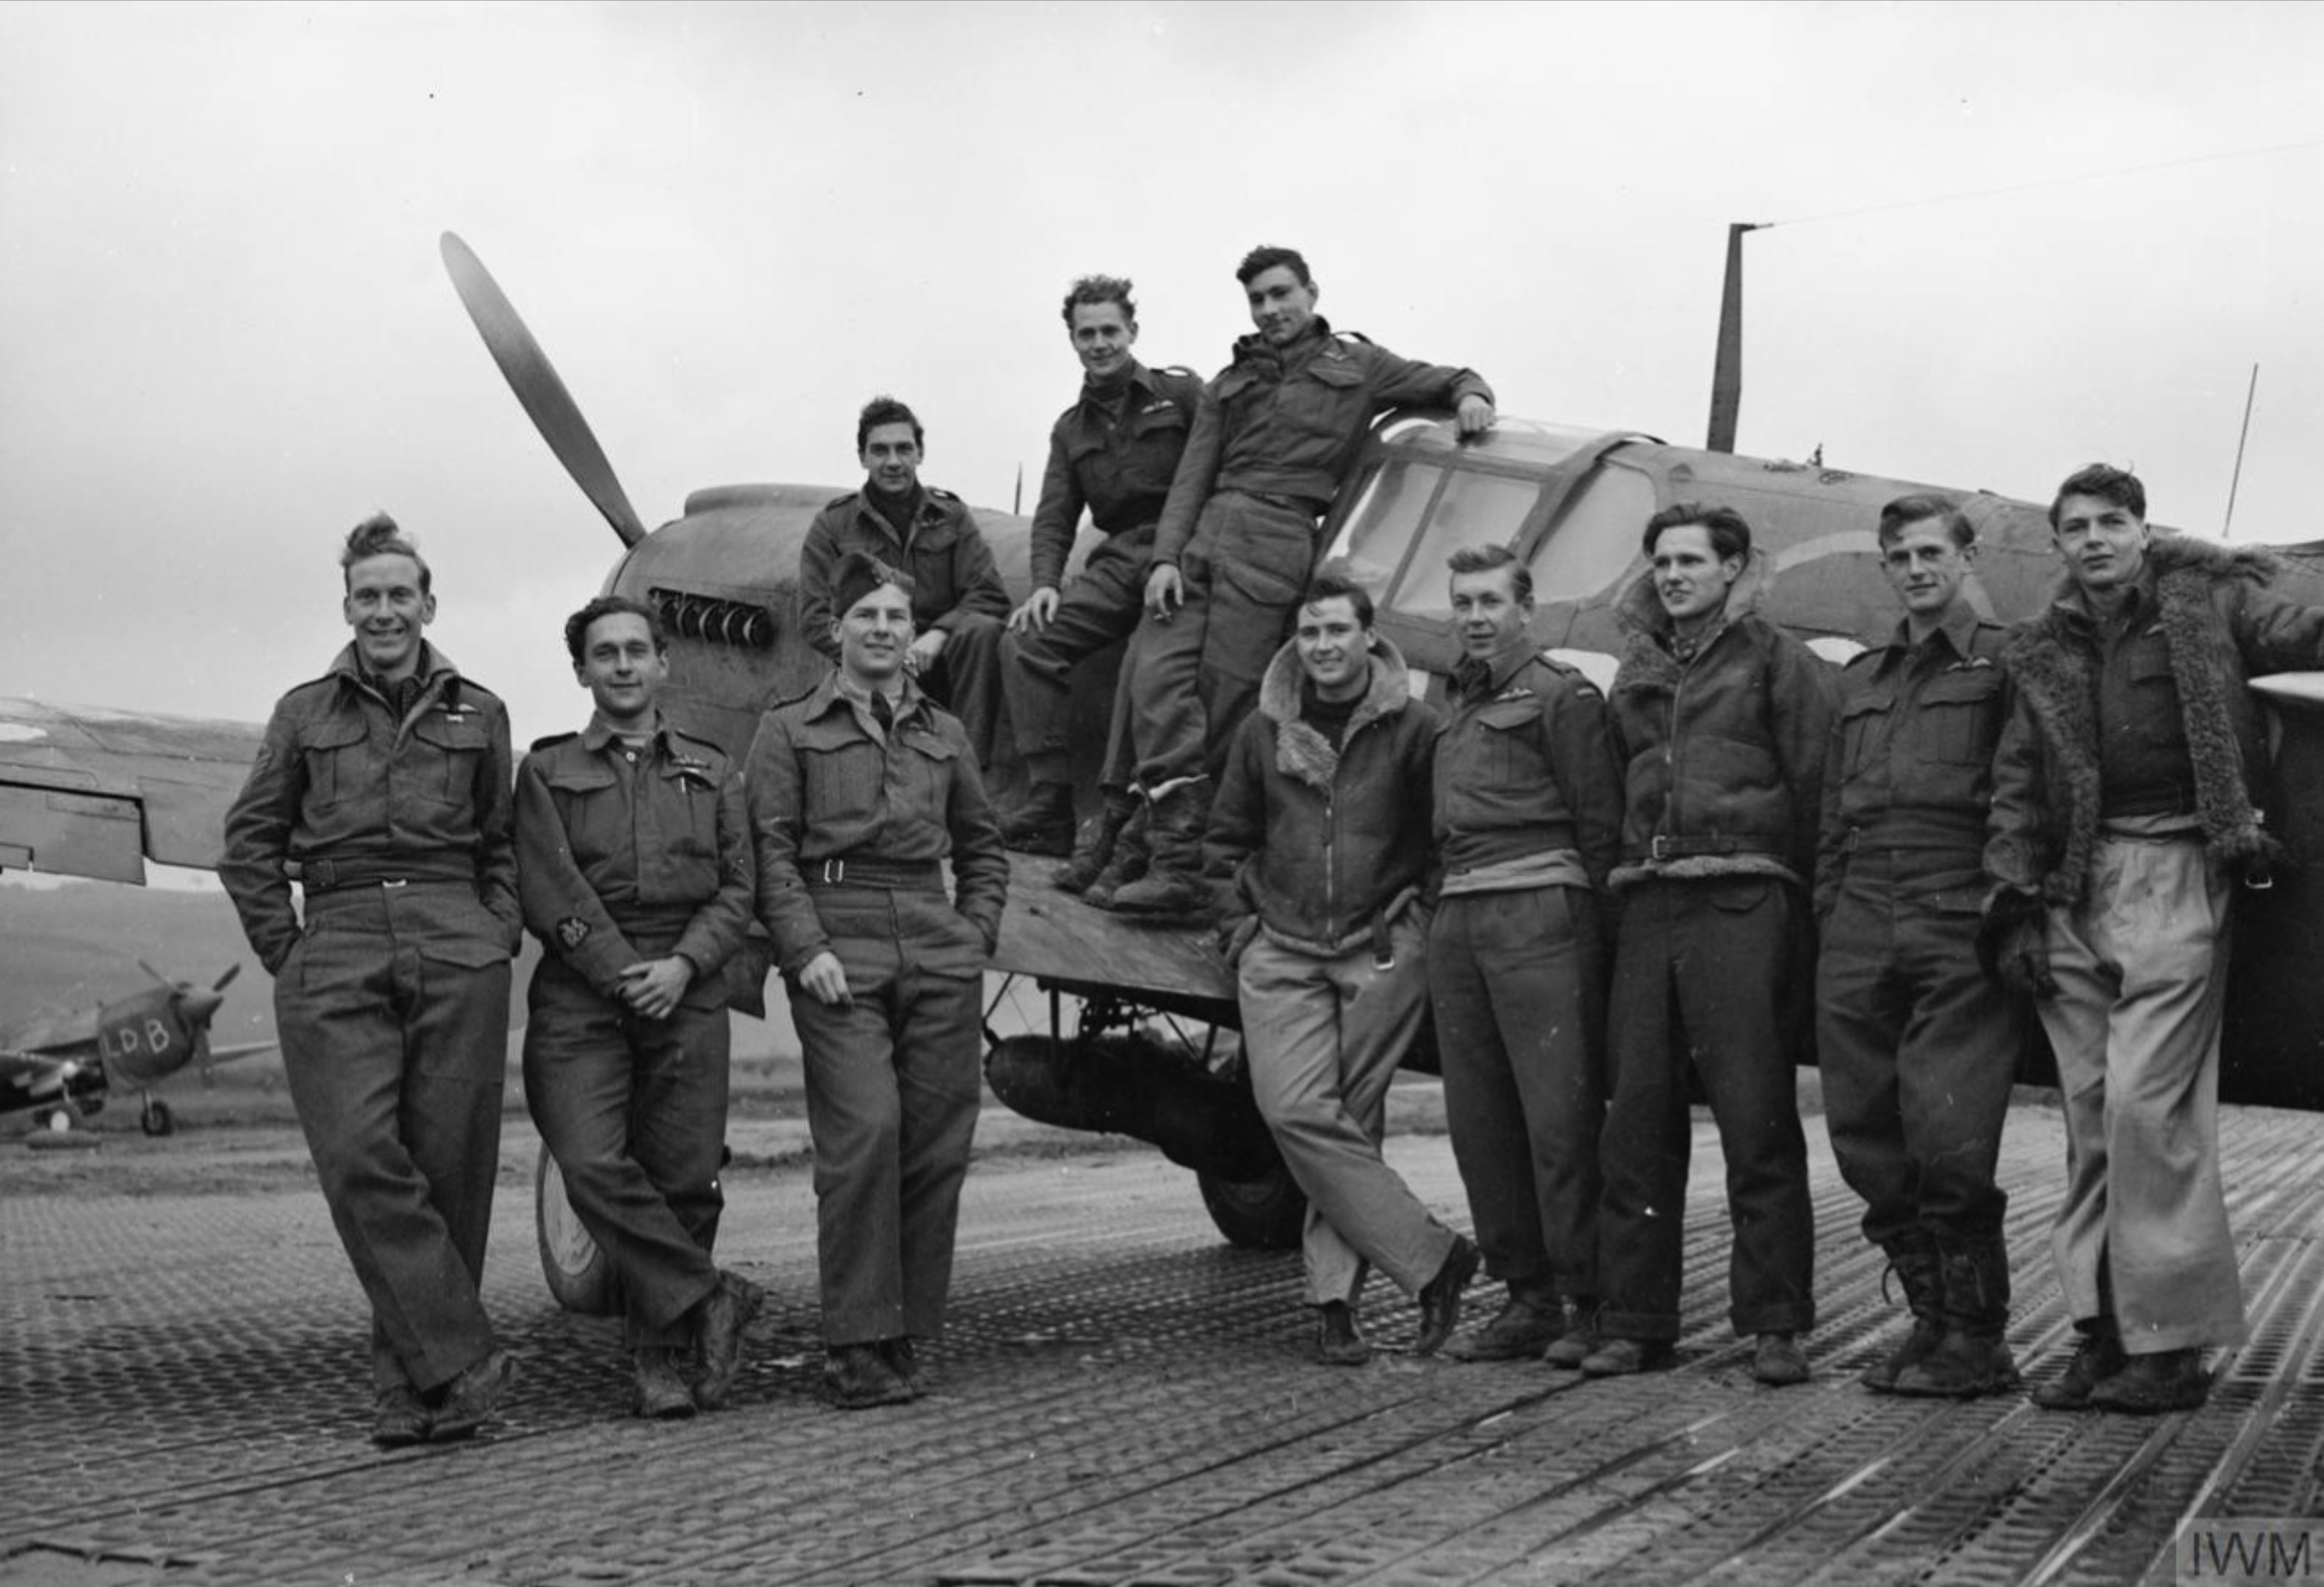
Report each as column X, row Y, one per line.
column 59, row 1121
column 579, row 1277
column 157, row 1119
column 1261, row 1215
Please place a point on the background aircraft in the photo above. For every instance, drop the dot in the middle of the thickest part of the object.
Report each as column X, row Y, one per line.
column 62, row 1065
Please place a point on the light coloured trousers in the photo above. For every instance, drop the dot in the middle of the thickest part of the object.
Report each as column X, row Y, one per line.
column 1323, row 1037
column 2142, row 974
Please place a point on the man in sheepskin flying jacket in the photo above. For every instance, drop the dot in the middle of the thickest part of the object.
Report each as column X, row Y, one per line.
column 2129, row 801
column 1321, row 822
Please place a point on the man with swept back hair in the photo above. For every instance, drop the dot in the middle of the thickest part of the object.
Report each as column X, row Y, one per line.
column 1321, row 834
column 2129, row 801
column 636, row 875
column 383, row 787
column 1918, row 1054
column 1274, row 435
column 1722, row 721
column 1528, row 819
column 959, row 601
column 1112, row 452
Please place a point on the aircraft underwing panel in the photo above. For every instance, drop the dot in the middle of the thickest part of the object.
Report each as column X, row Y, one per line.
column 91, row 792
column 1055, row 937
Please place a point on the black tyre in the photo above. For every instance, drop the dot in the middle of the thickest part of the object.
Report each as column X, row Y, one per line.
column 1266, row 1213
column 579, row 1277
column 156, row 1118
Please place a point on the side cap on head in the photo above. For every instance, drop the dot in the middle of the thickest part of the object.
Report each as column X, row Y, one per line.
column 858, row 575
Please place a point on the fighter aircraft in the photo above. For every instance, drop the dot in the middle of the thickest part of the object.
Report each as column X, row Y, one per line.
column 61, row 1066
column 1141, row 1017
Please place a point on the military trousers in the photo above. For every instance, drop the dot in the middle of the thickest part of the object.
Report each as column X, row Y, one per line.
column 2142, row 974
column 1324, row 1035
column 1101, row 604
column 1518, row 981
column 893, row 1084
column 1919, row 1050
column 634, row 1112
column 969, row 681
column 1708, row 975
column 393, row 1010
column 1197, row 672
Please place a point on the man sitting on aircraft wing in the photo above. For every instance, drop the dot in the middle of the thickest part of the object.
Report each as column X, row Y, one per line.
column 1114, row 451
column 2129, row 799
column 958, row 603
column 1273, row 437
column 1321, row 834
column 384, row 786
column 634, row 864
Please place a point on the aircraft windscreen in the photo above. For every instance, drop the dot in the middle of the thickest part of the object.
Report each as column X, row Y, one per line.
column 1596, row 537
column 1475, row 509
column 1381, row 523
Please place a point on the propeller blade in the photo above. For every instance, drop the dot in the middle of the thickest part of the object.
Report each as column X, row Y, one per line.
column 232, row 971
column 534, row 380
column 156, row 974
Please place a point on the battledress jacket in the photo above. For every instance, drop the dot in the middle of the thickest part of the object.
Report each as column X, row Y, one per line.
column 622, row 861
column 342, row 793
column 953, row 571
column 1120, row 468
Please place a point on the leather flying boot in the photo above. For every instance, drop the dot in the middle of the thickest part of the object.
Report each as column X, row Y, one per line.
column 1914, row 1259
column 1095, row 841
column 1972, row 1357
column 2097, row 1356
column 2150, row 1385
column 1127, row 862
column 903, row 1360
column 1339, row 1342
column 662, row 1394
column 1043, row 823
column 1173, row 887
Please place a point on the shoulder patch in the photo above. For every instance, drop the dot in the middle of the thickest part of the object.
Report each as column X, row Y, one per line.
column 553, row 738
column 1355, row 338
column 940, row 494
column 841, row 501
column 572, row 932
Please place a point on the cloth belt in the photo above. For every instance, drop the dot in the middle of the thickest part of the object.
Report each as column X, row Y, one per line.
column 899, row 875
column 1299, row 504
column 319, row 876
column 1666, row 847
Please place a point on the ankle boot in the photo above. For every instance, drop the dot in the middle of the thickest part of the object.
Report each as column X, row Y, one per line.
column 1043, row 823
column 1129, row 860
column 1914, row 1259
column 1972, row 1357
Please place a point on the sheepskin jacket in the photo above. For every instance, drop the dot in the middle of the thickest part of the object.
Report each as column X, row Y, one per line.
column 1317, row 842
column 2220, row 621
column 1722, row 754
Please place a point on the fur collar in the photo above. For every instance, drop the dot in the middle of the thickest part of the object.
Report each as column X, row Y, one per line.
column 2054, row 664
column 1300, row 751
column 1646, row 660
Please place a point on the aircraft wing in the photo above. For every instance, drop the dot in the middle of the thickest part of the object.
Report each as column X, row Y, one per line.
column 87, row 791
column 1055, row 936
column 27, row 1078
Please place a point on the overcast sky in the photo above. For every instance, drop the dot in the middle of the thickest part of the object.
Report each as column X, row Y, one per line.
column 225, row 334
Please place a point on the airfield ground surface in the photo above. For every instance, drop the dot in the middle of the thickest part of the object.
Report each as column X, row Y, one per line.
column 1122, row 1399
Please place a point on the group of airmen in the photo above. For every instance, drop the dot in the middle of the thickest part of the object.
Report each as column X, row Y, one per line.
column 1609, row 902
